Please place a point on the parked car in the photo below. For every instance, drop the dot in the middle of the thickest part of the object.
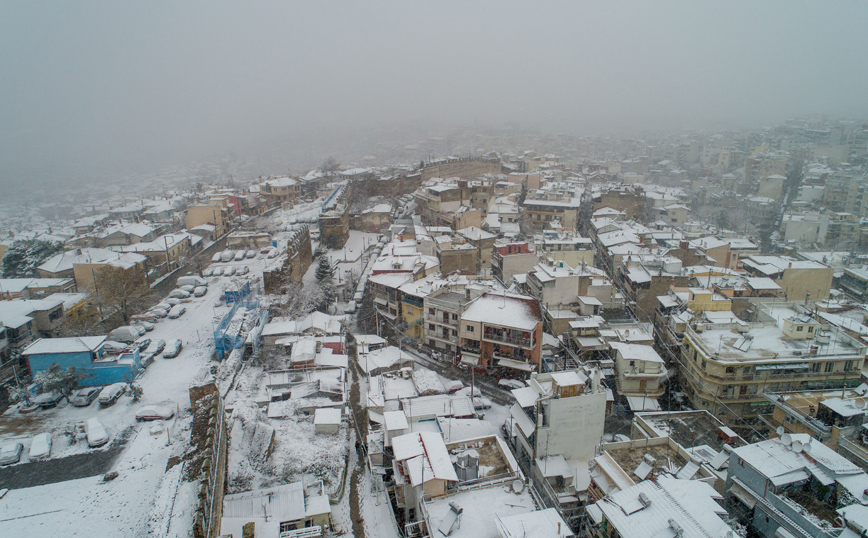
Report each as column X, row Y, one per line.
column 216, row 257
column 110, row 394
column 266, row 250
column 47, row 400
column 218, row 271
column 454, row 386
column 177, row 311
column 159, row 313
column 166, row 305
column 155, row 412
column 142, row 343
column 510, row 384
column 191, row 280
column 199, row 291
column 243, row 270
column 173, row 348
column 40, row 447
column 84, row 397
column 115, row 347
column 126, row 333
column 179, row 294
column 227, row 255
column 240, row 255
column 274, row 253
column 229, row 271
column 251, row 253
column 11, row 453
column 208, row 271
column 96, row 434
column 187, row 287
column 146, row 326
column 481, row 402
column 172, row 301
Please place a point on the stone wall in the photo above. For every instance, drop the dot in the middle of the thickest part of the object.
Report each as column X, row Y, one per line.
column 468, row 167
column 299, row 256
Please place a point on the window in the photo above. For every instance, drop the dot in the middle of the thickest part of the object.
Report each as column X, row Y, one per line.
column 454, row 317
column 431, row 311
column 409, row 311
column 848, row 366
column 815, row 367
column 800, row 328
column 810, row 329
column 287, row 526
column 730, row 370
column 829, row 367
column 470, row 328
column 430, row 326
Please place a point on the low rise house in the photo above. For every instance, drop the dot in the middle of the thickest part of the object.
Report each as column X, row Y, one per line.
column 285, row 510
column 88, row 355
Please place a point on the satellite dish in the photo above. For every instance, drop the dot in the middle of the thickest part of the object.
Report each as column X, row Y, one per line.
column 807, row 448
column 786, row 439
column 797, row 446
column 517, row 486
column 780, row 430
column 859, row 403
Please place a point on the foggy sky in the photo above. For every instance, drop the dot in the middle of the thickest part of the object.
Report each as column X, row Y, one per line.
column 86, row 85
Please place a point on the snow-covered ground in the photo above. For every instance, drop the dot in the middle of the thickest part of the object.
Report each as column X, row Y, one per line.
column 145, row 499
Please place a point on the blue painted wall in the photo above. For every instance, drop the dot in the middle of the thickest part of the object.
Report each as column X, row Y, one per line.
column 126, row 368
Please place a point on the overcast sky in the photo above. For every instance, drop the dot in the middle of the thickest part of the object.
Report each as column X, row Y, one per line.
column 85, row 84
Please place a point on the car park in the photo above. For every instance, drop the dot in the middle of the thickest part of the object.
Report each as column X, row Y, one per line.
column 227, row 255
column 155, row 412
column 11, row 453
column 199, row 291
column 47, row 400
column 173, row 348
column 40, row 447
column 251, row 254
column 84, row 397
column 229, row 271
column 177, row 311
column 96, row 434
column 110, row 394
column 240, row 255
column 179, row 294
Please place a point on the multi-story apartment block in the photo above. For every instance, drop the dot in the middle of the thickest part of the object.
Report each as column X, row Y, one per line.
column 726, row 365
column 502, row 330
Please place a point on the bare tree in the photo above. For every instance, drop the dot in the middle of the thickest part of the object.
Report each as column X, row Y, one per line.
column 295, row 300
column 125, row 290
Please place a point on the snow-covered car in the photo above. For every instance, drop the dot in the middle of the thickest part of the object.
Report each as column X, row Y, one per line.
column 240, row 255
column 84, row 397
column 96, row 434
column 11, row 453
column 159, row 313
column 40, row 447
column 115, row 347
column 481, row 402
column 187, row 287
column 511, row 384
column 251, row 253
column 155, row 412
column 172, row 301
column 274, row 253
column 110, row 394
column 208, row 271
column 173, row 348
column 166, row 305
column 146, row 326
column 216, row 257
column 199, row 291
column 218, row 271
column 243, row 270
column 48, row 400
column 179, row 294
column 227, row 255
column 454, row 386
column 265, row 251
column 142, row 343
column 154, row 348
column 177, row 311
column 229, row 271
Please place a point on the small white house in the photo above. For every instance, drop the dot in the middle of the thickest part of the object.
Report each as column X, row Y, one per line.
column 327, row 420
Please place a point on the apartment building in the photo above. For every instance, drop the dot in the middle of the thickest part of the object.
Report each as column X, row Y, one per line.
column 502, row 331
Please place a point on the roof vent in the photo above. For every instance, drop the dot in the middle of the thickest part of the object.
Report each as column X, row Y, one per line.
column 676, row 527
column 646, row 502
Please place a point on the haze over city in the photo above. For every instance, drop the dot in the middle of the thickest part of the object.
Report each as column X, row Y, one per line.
column 102, row 88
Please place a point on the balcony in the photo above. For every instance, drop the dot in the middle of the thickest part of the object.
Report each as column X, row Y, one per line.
column 507, row 336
